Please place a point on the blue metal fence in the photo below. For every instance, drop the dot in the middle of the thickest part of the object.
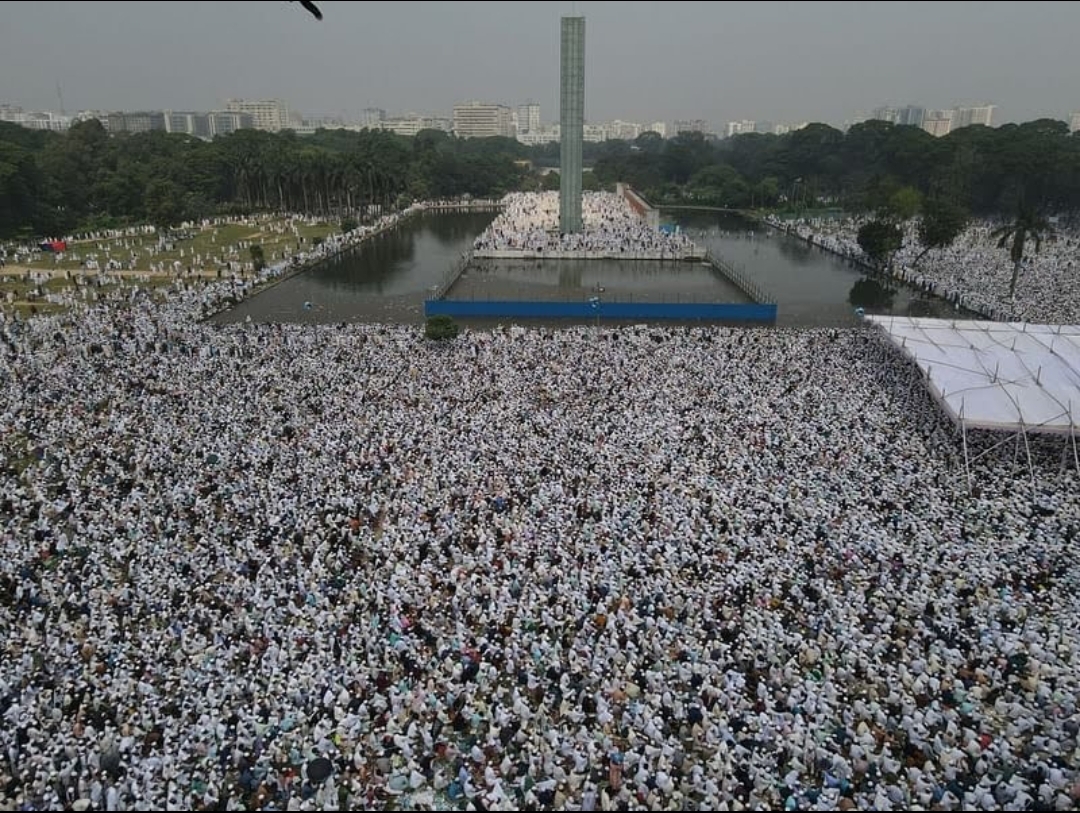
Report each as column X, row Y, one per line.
column 712, row 311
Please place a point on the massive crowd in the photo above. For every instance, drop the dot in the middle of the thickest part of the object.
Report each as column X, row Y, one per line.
column 640, row 568
column 140, row 248
column 974, row 272
column 529, row 222
column 240, row 278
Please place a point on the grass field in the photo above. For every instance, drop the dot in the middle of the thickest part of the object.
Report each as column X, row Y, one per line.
column 205, row 252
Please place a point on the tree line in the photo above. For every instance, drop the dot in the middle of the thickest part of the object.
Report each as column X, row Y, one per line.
column 57, row 183
column 984, row 170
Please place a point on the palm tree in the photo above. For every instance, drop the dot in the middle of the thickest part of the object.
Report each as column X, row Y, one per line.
column 1029, row 225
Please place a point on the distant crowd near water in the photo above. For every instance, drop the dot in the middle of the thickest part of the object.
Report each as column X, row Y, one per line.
column 974, row 271
column 295, row 567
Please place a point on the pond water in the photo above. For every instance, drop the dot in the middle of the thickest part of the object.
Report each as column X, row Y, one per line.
column 387, row 278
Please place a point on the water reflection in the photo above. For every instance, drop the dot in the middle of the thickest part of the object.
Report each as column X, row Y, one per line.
column 575, row 280
column 871, row 295
column 372, row 267
column 798, row 251
column 812, row 286
column 386, row 278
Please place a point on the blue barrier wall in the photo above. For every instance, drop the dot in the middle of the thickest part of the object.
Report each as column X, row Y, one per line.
column 715, row 311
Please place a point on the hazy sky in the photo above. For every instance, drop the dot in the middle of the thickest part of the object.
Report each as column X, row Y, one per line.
column 770, row 61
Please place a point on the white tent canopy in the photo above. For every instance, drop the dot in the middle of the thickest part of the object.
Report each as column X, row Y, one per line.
column 1011, row 377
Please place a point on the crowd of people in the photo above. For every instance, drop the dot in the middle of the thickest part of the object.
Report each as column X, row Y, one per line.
column 143, row 248
column 529, row 223
column 240, row 278
column 973, row 272
column 637, row 568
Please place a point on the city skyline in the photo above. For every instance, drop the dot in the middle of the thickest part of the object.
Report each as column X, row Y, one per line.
column 781, row 62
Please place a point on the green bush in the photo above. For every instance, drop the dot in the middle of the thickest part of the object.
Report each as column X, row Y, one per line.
column 441, row 328
column 348, row 224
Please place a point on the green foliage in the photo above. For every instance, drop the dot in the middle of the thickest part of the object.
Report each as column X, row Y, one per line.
column 942, row 222
column 53, row 183
column 349, row 224
column 56, row 183
column 258, row 257
column 767, row 192
column 905, row 203
column 719, row 185
column 1028, row 225
column 441, row 328
column 164, row 206
column 880, row 240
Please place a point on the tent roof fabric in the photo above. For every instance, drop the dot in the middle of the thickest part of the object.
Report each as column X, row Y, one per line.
column 999, row 376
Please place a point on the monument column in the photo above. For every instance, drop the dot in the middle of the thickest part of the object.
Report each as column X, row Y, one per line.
column 571, row 123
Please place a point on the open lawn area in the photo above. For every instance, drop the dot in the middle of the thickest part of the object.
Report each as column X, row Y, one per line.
column 207, row 248
column 151, row 260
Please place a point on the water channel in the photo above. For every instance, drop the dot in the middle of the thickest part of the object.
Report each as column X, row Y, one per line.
column 387, row 278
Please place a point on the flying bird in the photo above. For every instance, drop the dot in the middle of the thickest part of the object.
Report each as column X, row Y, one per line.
column 310, row 7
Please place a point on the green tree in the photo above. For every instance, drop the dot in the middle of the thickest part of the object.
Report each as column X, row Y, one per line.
column 1028, row 225
column 349, row 224
column 19, row 185
column 905, row 203
column 441, row 328
column 258, row 257
column 880, row 240
column 942, row 222
column 767, row 192
column 164, row 204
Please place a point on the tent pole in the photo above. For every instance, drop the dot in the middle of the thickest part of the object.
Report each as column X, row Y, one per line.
column 1027, row 451
column 1072, row 434
column 963, row 434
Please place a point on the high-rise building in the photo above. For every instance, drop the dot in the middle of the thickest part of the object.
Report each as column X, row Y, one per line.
column 691, row 126
column 268, row 114
column 223, row 122
column 572, row 123
column 483, row 120
column 411, row 124
column 735, row 128
column 196, row 124
column 13, row 114
column 911, row 116
column 543, row 135
column 1074, row 122
column 528, row 117
column 658, row 127
column 139, row 122
column 623, row 130
column 372, row 117
column 967, row 116
column 594, row 133
column 889, row 114
column 938, row 122
column 207, row 125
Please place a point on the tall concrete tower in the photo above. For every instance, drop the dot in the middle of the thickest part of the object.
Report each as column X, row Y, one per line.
column 572, row 123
